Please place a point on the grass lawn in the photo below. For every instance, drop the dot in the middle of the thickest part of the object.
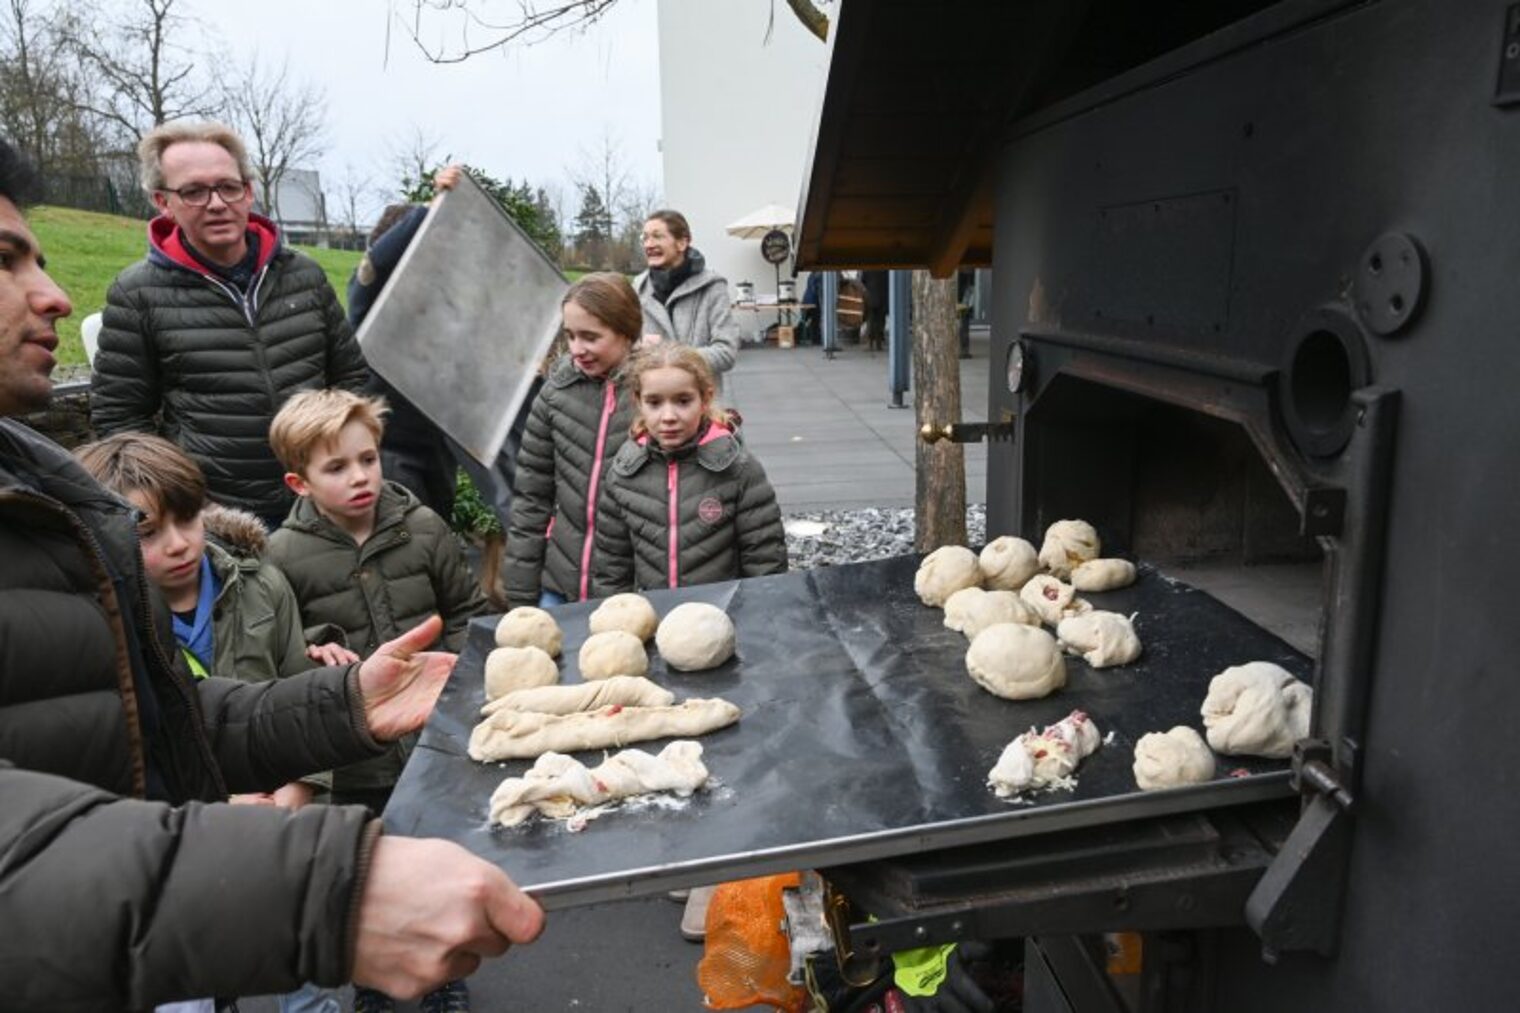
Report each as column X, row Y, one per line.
column 86, row 251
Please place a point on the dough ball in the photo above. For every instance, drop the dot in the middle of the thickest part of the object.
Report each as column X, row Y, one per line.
column 995, row 607
column 695, row 636
column 959, row 605
column 1169, row 759
column 1256, row 709
column 1007, row 562
column 628, row 612
column 613, row 652
column 1016, row 662
column 945, row 571
column 1067, row 544
column 527, row 626
column 1102, row 638
column 512, row 668
column 1052, row 599
column 1103, row 574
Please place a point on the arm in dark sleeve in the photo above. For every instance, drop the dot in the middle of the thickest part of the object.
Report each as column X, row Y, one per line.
column 762, row 537
column 612, row 559
column 532, row 506
column 129, row 904
column 270, row 733
column 384, row 254
column 125, row 389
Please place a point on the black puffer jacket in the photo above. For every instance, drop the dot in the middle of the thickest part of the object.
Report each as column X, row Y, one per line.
column 576, row 425
column 183, row 354
column 110, row 902
column 699, row 514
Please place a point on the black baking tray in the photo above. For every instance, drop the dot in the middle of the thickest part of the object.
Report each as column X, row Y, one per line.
column 862, row 737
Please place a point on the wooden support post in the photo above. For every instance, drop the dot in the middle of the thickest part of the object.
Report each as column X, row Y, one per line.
column 940, row 467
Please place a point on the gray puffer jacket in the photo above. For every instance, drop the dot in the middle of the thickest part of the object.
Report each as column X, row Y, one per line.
column 183, row 354
column 576, row 425
column 697, row 313
column 109, row 901
column 696, row 515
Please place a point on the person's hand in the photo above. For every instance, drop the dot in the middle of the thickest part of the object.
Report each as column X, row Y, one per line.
column 650, row 340
column 294, row 795
column 447, row 178
column 252, row 798
column 935, row 980
column 330, row 654
column 430, row 912
column 401, row 681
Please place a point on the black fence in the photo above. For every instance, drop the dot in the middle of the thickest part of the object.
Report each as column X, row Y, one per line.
column 97, row 193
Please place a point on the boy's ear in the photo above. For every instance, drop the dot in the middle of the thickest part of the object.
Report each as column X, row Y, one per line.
column 296, row 484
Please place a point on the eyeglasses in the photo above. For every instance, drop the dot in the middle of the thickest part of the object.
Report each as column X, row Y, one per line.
column 198, row 196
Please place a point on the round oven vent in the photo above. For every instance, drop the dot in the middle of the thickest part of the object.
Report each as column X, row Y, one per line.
column 1326, row 361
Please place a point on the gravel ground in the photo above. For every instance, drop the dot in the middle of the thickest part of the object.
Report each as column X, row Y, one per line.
column 832, row 537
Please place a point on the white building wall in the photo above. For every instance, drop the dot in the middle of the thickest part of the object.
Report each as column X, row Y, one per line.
column 736, row 117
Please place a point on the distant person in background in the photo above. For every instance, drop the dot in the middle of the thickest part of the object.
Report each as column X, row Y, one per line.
column 207, row 336
column 878, row 290
column 682, row 300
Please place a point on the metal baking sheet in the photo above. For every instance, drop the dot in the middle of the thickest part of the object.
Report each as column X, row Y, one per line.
column 862, row 738
column 465, row 319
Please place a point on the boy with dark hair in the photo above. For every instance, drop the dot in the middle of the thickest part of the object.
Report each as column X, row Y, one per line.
column 364, row 555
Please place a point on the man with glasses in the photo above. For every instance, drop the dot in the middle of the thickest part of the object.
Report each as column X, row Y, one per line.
column 207, row 336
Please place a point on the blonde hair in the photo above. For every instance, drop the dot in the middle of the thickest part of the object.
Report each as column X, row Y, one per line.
column 143, row 463
column 672, row 355
column 150, row 150
column 313, row 419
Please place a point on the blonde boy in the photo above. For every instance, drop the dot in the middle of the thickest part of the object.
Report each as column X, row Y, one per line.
column 363, row 555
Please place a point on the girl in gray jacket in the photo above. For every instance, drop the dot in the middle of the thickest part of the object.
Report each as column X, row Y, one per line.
column 683, row 503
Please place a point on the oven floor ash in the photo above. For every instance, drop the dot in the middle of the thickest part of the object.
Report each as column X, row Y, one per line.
column 1282, row 598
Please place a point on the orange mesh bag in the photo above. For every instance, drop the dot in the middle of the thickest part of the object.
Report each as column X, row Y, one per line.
column 746, row 956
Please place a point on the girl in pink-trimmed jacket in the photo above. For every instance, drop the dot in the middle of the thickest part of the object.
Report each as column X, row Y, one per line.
column 576, row 425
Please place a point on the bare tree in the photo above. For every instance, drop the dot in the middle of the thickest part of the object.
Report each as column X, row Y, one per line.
column 473, row 33
column 282, row 120
column 144, row 59
column 415, row 156
column 353, row 197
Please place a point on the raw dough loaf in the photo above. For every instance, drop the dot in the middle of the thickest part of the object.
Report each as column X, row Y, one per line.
column 519, row 735
column 510, row 668
column 1169, row 759
column 1102, row 638
column 527, row 626
column 1016, row 662
column 1052, row 599
column 1103, row 575
column 557, row 785
column 628, row 612
column 695, row 636
column 1067, row 544
column 1044, row 759
column 624, row 690
column 995, row 607
column 612, row 652
column 1256, row 709
column 1007, row 562
column 959, row 605
column 945, row 571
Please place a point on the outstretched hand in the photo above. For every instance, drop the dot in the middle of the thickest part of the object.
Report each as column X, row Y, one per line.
column 401, row 681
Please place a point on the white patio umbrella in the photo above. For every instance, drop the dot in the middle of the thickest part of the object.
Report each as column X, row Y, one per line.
column 762, row 220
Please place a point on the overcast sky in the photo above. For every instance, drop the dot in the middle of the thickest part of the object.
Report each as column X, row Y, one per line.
column 523, row 112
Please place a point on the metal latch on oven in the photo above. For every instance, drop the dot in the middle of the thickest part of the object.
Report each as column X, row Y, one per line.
column 968, row 432
column 1296, row 906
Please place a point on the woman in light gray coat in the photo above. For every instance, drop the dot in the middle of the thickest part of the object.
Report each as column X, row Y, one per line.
column 682, row 300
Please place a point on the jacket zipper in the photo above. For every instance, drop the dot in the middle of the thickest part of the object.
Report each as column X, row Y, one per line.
column 672, row 517
column 609, row 403
column 250, row 310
